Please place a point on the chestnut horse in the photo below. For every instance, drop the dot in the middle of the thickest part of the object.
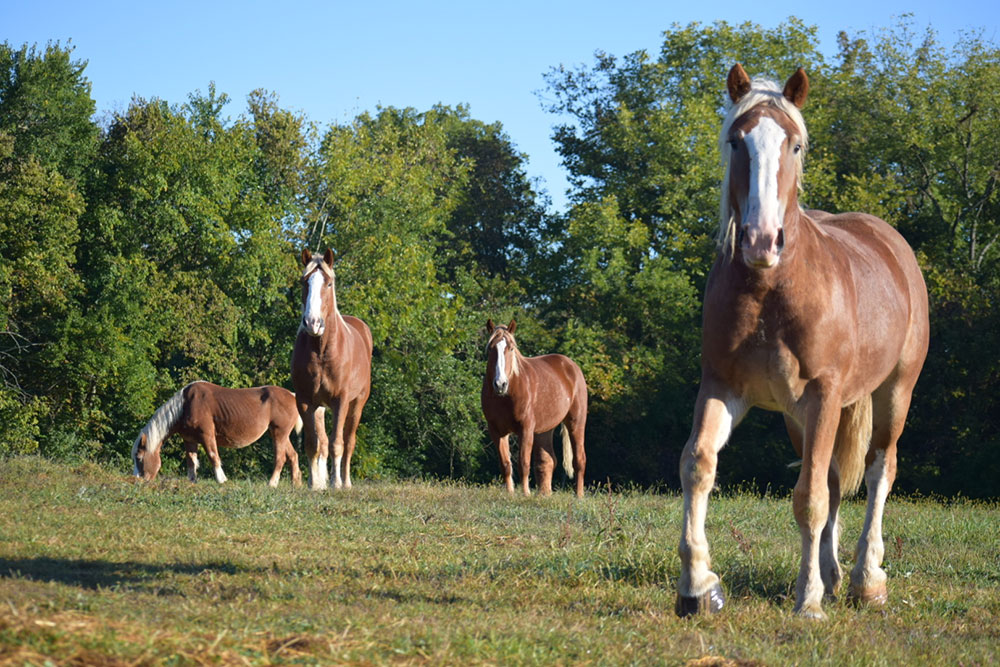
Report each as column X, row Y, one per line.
column 530, row 397
column 821, row 317
column 216, row 416
column 331, row 366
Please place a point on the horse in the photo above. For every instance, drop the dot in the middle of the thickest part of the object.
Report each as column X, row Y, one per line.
column 821, row 317
column 530, row 397
column 215, row 416
column 331, row 367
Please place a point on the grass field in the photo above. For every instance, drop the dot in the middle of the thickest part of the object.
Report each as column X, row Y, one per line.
column 97, row 569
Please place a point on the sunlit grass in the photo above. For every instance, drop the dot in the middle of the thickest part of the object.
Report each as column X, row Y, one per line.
column 96, row 568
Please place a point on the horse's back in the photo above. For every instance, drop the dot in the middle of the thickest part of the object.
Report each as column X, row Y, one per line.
column 235, row 416
column 362, row 332
column 873, row 238
column 558, row 377
column 885, row 272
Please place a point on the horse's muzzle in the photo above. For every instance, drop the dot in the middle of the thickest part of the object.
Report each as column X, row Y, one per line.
column 761, row 249
column 314, row 326
column 500, row 388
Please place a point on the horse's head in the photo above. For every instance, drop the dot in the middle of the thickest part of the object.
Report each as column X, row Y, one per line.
column 501, row 355
column 145, row 459
column 318, row 297
column 763, row 142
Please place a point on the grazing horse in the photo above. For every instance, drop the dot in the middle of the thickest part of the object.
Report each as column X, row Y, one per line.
column 821, row 317
column 216, row 416
column 530, row 397
column 331, row 366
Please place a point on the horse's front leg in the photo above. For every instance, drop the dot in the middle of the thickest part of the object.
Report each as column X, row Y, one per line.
column 212, row 451
column 811, row 497
column 829, row 565
column 351, row 436
column 191, row 454
column 502, row 443
column 717, row 411
column 316, row 446
column 340, row 408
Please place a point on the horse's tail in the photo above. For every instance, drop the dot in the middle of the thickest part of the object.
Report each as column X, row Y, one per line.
column 567, row 454
column 853, row 438
column 158, row 427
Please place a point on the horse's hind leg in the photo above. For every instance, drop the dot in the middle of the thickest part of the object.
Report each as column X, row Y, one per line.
column 545, row 462
column 283, row 450
column 890, row 404
column 575, row 428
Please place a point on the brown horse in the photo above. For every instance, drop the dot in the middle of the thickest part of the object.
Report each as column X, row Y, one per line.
column 530, row 397
column 331, row 366
column 216, row 416
column 821, row 317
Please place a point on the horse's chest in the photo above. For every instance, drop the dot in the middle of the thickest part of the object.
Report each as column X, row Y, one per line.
column 769, row 376
column 760, row 357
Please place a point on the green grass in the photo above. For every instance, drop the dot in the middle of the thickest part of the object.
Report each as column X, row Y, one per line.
column 98, row 569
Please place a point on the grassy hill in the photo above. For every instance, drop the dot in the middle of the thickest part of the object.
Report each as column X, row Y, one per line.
column 96, row 568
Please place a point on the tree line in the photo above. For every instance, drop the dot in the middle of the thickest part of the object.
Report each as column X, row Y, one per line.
column 150, row 247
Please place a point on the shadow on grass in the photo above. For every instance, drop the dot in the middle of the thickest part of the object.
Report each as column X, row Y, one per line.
column 93, row 574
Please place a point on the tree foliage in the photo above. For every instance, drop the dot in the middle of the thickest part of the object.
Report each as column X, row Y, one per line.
column 160, row 246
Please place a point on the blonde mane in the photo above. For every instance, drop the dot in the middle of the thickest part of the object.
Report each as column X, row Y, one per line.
column 160, row 423
column 762, row 91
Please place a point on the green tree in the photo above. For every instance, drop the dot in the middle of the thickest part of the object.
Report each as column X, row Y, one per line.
column 383, row 190
column 187, row 259
column 909, row 134
column 46, row 140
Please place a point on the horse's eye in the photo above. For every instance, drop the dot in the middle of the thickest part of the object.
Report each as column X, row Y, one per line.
column 798, row 147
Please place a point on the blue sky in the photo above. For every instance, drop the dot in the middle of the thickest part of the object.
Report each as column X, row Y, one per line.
column 333, row 60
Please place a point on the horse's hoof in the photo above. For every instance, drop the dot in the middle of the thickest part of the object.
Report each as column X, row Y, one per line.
column 873, row 596
column 814, row 614
column 710, row 602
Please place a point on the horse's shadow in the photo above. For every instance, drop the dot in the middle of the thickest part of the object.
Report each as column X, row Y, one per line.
column 95, row 574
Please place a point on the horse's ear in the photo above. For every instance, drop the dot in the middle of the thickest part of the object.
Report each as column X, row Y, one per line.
column 328, row 257
column 737, row 82
column 797, row 88
column 306, row 257
column 143, row 441
column 489, row 325
column 512, row 326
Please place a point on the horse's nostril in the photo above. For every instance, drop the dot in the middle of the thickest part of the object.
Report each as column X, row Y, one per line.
column 781, row 239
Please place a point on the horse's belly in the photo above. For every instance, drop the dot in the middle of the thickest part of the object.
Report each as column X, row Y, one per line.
column 232, row 434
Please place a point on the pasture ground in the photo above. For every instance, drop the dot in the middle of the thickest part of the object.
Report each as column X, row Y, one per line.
column 97, row 569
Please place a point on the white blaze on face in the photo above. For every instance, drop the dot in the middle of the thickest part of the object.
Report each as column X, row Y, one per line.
column 765, row 210
column 500, row 379
column 312, row 316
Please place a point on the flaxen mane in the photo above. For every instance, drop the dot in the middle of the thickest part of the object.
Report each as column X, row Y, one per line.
column 159, row 424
